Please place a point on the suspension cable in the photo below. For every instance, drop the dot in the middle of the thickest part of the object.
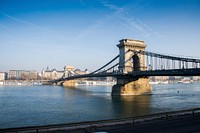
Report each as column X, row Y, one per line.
column 105, row 64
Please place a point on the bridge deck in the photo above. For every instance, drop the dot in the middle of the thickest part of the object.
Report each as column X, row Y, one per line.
column 138, row 74
column 172, row 72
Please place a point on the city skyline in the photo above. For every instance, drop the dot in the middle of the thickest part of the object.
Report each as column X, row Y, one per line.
column 81, row 33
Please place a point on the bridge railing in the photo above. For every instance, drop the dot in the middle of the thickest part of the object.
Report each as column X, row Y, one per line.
column 95, row 125
column 154, row 61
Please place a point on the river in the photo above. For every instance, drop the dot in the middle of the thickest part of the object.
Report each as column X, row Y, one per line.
column 42, row 105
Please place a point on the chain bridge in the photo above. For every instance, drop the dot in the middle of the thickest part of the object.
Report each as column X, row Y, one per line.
column 134, row 65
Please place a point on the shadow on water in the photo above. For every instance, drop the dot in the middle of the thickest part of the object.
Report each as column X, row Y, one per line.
column 102, row 105
column 118, row 106
column 131, row 105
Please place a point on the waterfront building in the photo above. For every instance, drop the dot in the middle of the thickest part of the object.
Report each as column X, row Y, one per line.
column 55, row 74
column 22, row 75
column 33, row 75
column 17, row 74
column 3, row 76
column 79, row 72
column 51, row 74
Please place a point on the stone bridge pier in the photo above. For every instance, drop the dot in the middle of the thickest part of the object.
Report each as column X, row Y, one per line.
column 129, row 62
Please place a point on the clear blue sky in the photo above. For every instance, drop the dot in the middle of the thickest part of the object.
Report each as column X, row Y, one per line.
column 35, row 34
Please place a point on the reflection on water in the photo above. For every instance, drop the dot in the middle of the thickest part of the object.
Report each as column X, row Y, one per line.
column 42, row 105
column 131, row 105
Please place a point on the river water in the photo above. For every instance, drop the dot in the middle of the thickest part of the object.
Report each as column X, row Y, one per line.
column 42, row 105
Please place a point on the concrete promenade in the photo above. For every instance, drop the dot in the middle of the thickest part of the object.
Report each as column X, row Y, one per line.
column 184, row 121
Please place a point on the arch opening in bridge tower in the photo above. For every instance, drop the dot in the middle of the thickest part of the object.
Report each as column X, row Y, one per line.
column 136, row 63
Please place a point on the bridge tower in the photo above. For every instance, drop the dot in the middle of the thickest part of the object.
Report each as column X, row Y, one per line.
column 129, row 62
column 69, row 71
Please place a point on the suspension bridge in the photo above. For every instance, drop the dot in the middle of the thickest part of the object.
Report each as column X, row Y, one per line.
column 134, row 65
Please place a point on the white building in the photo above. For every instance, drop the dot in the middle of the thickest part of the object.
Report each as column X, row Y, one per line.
column 2, row 76
column 67, row 72
column 52, row 74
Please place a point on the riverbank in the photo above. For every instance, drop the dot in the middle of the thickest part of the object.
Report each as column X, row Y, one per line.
column 20, row 82
column 174, row 121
